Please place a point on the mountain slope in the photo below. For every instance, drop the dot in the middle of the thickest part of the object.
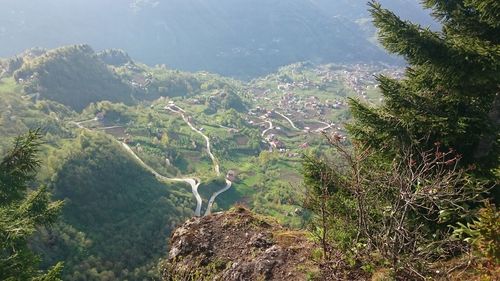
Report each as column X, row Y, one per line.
column 116, row 216
column 241, row 38
column 238, row 245
column 72, row 76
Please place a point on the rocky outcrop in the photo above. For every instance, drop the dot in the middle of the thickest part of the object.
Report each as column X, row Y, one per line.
column 237, row 245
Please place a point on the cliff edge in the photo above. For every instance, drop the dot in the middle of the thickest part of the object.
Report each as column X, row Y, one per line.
column 237, row 245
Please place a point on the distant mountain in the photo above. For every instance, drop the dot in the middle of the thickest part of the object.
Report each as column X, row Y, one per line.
column 233, row 37
column 357, row 9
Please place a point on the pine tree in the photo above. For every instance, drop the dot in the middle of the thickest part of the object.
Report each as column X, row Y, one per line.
column 449, row 95
column 22, row 210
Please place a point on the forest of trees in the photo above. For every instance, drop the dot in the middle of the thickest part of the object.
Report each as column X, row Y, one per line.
column 114, row 223
column 117, row 216
column 73, row 76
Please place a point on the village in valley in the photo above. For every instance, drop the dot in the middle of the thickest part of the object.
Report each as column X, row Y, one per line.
column 237, row 139
column 307, row 100
column 230, row 141
column 289, row 108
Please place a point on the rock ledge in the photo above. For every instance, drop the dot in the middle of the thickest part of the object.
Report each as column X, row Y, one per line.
column 237, row 245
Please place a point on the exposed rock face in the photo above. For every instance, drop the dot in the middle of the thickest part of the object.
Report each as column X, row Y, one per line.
column 237, row 245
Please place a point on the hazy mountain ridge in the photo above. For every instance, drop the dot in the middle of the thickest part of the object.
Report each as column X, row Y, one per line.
column 239, row 38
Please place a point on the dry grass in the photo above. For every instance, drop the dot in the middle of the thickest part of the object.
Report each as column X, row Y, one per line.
column 290, row 238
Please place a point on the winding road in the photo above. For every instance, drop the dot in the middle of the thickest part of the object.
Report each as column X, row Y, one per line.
column 194, row 183
column 207, row 139
column 209, row 151
column 212, row 199
column 79, row 124
column 268, row 129
column 263, row 135
column 288, row 119
column 328, row 126
column 111, row 127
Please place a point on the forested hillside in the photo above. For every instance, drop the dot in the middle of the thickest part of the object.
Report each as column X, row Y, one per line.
column 18, row 114
column 376, row 171
column 72, row 76
column 117, row 216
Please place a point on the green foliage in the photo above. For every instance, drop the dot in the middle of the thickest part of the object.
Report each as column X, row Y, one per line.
column 113, row 113
column 73, row 76
column 443, row 116
column 231, row 100
column 483, row 233
column 22, row 211
column 18, row 114
column 18, row 167
column 450, row 92
column 117, row 215
column 402, row 211
column 114, row 57
column 332, row 203
column 173, row 83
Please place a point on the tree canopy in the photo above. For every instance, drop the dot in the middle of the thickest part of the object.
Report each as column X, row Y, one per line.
column 22, row 210
column 418, row 163
column 450, row 91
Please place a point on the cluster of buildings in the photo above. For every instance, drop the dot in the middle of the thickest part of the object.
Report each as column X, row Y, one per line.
column 359, row 77
column 306, row 84
column 291, row 104
column 276, row 143
column 308, row 107
column 141, row 81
